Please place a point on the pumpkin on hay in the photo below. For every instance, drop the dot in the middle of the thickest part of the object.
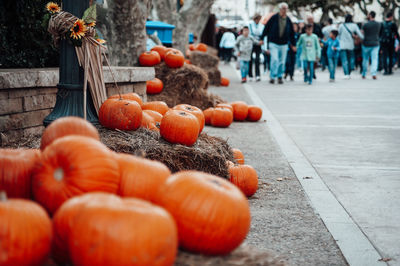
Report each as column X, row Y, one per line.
column 16, row 167
column 224, row 81
column 161, row 50
column 128, row 96
column 212, row 215
column 150, row 58
column 201, row 47
column 179, row 126
column 121, row 114
column 245, row 177
column 194, row 111
column 151, row 119
column 192, row 47
column 240, row 110
column 207, row 115
column 238, row 155
column 104, row 229
column 70, row 125
column 174, row 58
column 154, row 86
column 158, row 106
column 71, row 166
column 254, row 114
column 221, row 117
column 25, row 235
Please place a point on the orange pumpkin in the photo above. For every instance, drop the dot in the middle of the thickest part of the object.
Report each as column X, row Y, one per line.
column 155, row 115
column 158, row 106
column 174, row 58
column 25, row 233
column 71, row 166
column 187, row 61
column 181, row 127
column 121, row 114
column 224, row 81
column 70, row 125
column 225, row 105
column 254, row 114
column 212, row 215
column 245, row 177
column 154, row 86
column 128, row 96
column 16, row 166
column 140, row 178
column 148, row 121
column 240, row 110
column 150, row 58
column 221, row 117
column 161, row 50
column 201, row 47
column 238, row 155
column 207, row 115
column 83, row 230
column 194, row 111
column 192, row 47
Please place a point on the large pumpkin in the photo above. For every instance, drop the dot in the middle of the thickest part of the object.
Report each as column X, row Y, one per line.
column 238, row 155
column 221, row 117
column 71, row 166
column 70, row 125
column 254, row 114
column 212, row 215
column 150, row 58
column 154, row 86
column 240, row 110
column 140, row 178
column 224, row 81
column 133, row 96
column 194, row 111
column 161, row 50
column 179, row 127
column 121, row 114
column 174, row 58
column 103, row 229
column 245, row 177
column 16, row 166
column 207, row 115
column 25, row 232
column 158, row 106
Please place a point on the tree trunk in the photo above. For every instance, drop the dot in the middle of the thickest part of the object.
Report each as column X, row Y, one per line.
column 123, row 24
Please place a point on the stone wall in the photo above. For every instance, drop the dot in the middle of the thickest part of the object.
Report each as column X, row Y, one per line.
column 27, row 96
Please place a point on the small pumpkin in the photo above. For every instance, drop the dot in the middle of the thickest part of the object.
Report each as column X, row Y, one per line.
column 245, row 177
column 240, row 110
column 221, row 117
column 25, row 234
column 224, row 81
column 71, row 166
column 150, row 58
column 174, row 58
column 161, row 50
column 192, row 47
column 194, row 111
column 201, row 47
column 148, row 121
column 225, row 105
column 212, row 214
column 187, row 61
column 207, row 115
column 70, row 125
column 121, row 114
column 238, row 155
column 179, row 126
column 158, row 106
column 254, row 114
column 128, row 96
column 16, row 167
column 154, row 86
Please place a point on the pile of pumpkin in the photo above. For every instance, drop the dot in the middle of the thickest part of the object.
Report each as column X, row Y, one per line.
column 109, row 208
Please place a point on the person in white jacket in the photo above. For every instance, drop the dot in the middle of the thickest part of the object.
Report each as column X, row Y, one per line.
column 227, row 44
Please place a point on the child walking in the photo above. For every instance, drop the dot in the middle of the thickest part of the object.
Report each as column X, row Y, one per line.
column 333, row 53
column 310, row 52
column 244, row 46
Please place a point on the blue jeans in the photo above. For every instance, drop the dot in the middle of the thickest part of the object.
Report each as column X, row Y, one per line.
column 278, row 59
column 367, row 52
column 348, row 61
column 244, row 68
column 308, row 65
column 332, row 64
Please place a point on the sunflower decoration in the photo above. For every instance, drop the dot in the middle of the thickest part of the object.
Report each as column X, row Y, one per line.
column 78, row 30
column 53, row 7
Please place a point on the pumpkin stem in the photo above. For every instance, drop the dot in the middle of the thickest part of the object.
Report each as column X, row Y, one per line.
column 58, row 174
column 3, row 196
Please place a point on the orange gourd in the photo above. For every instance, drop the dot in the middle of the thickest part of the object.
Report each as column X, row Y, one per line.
column 221, row 117
column 174, row 58
column 71, row 166
column 181, row 127
column 154, row 86
column 254, row 114
column 128, row 96
column 238, row 155
column 120, row 114
column 245, row 177
column 212, row 215
column 225, row 105
column 150, row 58
column 161, row 50
column 201, row 47
column 192, row 47
column 158, row 106
column 207, row 115
column 240, row 110
column 194, row 111
column 224, row 81
column 148, row 121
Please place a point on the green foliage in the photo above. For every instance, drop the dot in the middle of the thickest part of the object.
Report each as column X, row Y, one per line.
column 24, row 40
column 90, row 14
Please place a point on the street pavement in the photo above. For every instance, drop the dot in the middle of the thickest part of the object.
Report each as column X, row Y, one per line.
column 346, row 136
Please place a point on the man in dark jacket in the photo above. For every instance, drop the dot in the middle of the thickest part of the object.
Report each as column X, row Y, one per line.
column 279, row 30
column 370, row 45
column 388, row 35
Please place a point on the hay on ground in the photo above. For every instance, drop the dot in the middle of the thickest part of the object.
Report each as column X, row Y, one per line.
column 212, row 51
column 214, row 76
column 203, row 60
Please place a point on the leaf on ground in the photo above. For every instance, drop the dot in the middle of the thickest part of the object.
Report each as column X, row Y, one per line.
column 385, row 259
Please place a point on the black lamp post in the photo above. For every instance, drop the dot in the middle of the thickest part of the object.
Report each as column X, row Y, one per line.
column 70, row 87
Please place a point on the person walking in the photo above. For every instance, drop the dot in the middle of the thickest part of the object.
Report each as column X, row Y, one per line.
column 332, row 51
column 291, row 56
column 388, row 36
column 326, row 31
column 227, row 43
column 256, row 29
column 370, row 45
column 348, row 31
column 279, row 30
column 310, row 52
column 244, row 46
